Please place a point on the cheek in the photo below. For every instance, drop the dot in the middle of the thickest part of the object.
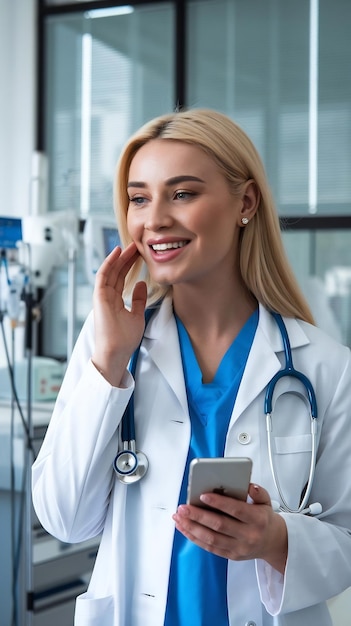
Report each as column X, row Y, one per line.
column 135, row 230
column 133, row 226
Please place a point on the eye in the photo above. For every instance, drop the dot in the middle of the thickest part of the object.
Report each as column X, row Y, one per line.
column 183, row 195
column 137, row 200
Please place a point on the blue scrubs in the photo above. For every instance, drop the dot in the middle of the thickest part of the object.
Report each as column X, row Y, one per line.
column 197, row 592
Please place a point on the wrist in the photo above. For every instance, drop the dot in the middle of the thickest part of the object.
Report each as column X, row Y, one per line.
column 113, row 372
column 277, row 552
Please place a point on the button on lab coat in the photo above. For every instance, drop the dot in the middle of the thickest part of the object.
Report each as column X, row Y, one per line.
column 77, row 496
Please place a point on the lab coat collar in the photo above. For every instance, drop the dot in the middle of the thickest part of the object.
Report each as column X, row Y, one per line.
column 162, row 343
column 164, row 314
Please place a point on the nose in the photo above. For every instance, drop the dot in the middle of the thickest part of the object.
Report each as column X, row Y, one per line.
column 158, row 215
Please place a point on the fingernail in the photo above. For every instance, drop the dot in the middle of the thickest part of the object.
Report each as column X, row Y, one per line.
column 183, row 510
column 205, row 498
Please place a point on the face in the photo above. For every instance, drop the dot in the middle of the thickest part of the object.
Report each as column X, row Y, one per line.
column 182, row 215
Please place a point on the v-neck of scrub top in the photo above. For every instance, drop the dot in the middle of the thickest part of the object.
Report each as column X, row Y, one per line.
column 197, row 592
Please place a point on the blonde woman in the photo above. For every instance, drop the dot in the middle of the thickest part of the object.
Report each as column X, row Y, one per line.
column 202, row 252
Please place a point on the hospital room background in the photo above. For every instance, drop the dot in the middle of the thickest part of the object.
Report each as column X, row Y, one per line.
column 77, row 78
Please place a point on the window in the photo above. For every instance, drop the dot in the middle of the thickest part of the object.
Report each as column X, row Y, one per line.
column 105, row 76
column 280, row 69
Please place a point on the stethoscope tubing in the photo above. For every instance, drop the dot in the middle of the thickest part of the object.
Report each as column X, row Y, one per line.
column 129, row 463
column 303, row 504
column 289, row 370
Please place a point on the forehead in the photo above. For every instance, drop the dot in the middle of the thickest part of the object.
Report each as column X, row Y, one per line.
column 165, row 157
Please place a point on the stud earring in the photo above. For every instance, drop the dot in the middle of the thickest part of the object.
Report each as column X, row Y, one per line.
column 244, row 220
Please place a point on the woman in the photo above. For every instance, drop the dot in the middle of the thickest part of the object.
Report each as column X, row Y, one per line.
column 193, row 204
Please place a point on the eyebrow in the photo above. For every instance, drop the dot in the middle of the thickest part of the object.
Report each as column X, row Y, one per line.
column 171, row 181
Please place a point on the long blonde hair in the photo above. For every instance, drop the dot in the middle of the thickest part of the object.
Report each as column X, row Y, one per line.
column 263, row 263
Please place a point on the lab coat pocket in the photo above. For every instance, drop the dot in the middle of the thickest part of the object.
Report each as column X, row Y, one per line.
column 292, row 460
column 94, row 611
column 292, row 445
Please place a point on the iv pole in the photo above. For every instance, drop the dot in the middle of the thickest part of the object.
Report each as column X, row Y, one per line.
column 29, row 302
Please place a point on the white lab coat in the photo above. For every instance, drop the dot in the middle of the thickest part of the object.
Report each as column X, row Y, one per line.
column 77, row 496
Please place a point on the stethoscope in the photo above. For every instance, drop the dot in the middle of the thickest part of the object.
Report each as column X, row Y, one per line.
column 289, row 370
column 131, row 464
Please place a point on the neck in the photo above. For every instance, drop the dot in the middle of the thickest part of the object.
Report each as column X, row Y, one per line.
column 213, row 312
column 213, row 320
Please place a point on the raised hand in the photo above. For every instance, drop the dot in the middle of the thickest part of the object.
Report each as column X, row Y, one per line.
column 118, row 330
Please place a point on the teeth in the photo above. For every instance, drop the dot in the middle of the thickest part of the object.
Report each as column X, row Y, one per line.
column 159, row 247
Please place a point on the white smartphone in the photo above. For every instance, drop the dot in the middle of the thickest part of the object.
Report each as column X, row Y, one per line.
column 228, row 476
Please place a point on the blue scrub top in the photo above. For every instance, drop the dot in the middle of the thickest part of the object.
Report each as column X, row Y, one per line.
column 197, row 592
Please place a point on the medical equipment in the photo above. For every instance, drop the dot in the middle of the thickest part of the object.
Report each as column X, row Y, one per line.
column 289, row 370
column 131, row 465
column 47, row 241
column 100, row 237
column 10, row 232
column 46, row 378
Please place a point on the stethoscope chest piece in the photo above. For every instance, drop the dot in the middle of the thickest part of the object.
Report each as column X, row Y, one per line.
column 129, row 465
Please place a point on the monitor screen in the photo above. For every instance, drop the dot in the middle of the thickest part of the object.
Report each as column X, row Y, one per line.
column 10, row 232
column 111, row 239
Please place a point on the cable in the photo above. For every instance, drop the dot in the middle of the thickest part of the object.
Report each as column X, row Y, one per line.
column 13, row 505
column 29, row 443
column 17, row 512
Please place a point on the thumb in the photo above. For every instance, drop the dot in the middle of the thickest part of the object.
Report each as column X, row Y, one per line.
column 259, row 495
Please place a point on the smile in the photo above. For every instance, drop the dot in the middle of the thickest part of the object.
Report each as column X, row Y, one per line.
column 161, row 247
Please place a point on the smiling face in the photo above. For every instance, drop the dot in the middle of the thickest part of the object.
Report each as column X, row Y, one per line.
column 182, row 215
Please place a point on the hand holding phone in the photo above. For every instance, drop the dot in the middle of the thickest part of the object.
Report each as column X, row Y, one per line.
column 228, row 476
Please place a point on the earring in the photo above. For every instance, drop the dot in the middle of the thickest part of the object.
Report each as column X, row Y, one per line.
column 244, row 220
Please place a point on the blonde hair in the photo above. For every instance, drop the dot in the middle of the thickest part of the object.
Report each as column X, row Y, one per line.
column 263, row 263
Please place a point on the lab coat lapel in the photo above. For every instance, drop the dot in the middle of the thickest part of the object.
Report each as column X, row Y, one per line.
column 263, row 361
column 161, row 341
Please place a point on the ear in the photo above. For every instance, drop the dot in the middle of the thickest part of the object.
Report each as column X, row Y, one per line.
column 250, row 201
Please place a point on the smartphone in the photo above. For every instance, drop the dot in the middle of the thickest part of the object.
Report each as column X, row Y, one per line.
column 228, row 476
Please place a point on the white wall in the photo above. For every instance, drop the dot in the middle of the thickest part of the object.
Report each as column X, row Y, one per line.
column 17, row 103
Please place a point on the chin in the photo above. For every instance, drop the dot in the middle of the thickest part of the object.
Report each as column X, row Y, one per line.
column 162, row 282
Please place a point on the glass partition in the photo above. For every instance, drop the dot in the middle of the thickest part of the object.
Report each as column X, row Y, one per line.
column 281, row 70
column 106, row 73
column 321, row 260
column 105, row 76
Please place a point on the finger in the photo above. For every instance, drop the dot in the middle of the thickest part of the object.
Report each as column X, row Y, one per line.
column 116, row 266
column 237, row 508
column 139, row 299
column 259, row 495
column 126, row 261
column 229, row 506
column 212, row 536
column 190, row 517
